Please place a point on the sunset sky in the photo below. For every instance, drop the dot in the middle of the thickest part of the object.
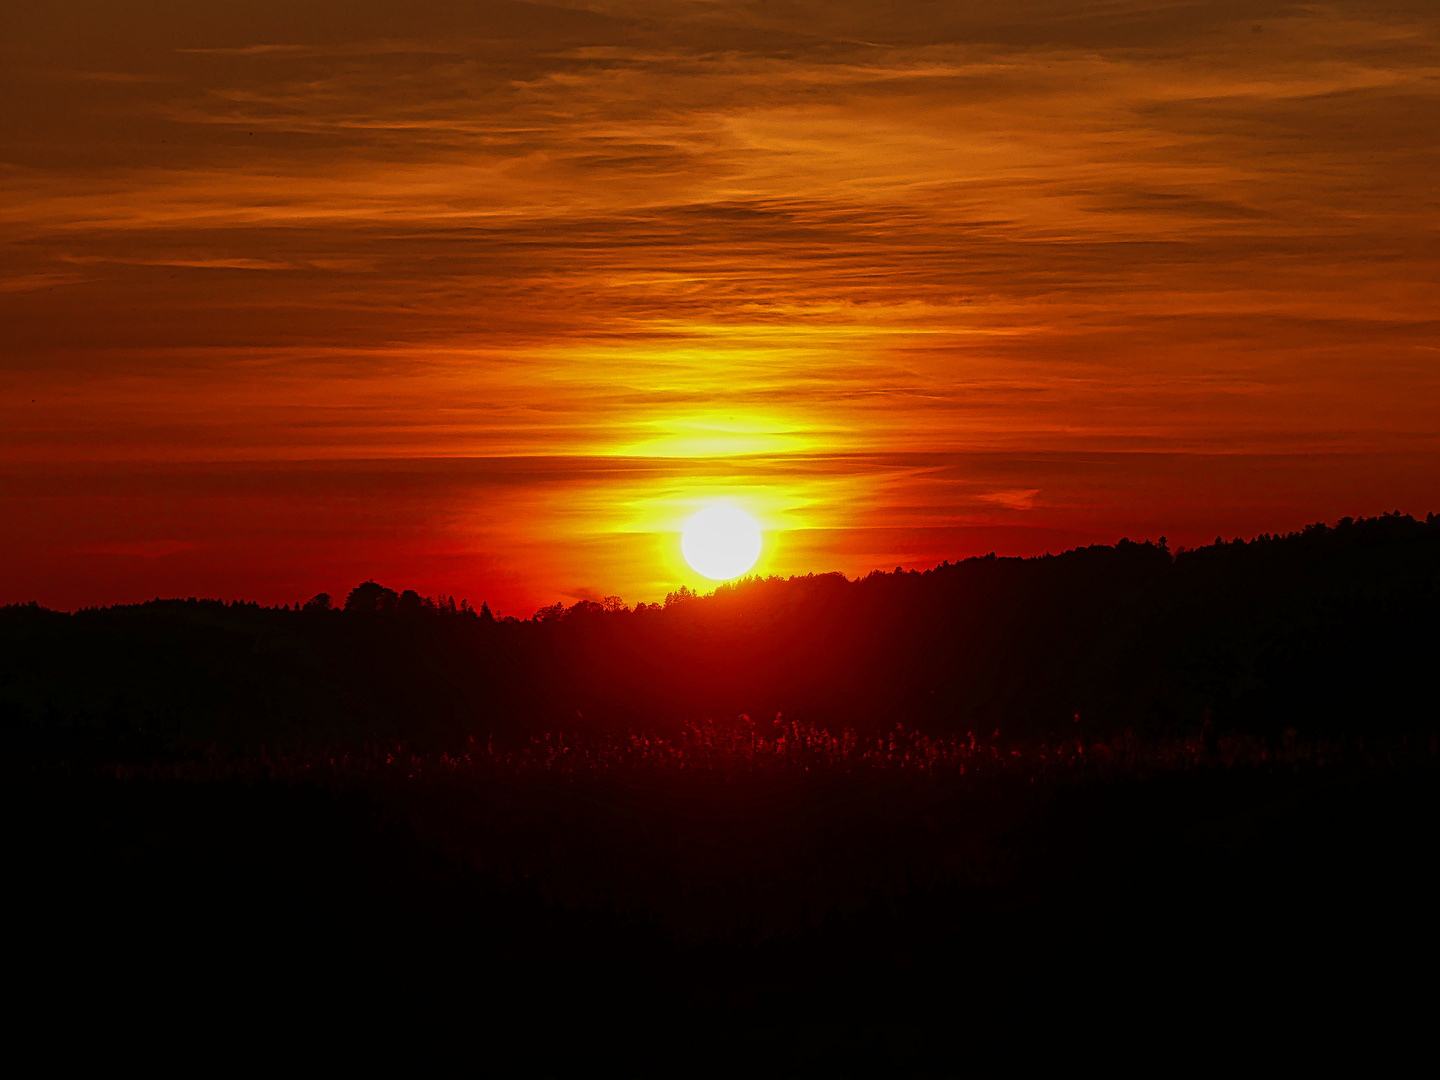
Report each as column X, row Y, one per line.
column 487, row 298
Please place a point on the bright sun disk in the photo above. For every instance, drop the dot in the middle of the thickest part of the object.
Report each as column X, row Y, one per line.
column 721, row 542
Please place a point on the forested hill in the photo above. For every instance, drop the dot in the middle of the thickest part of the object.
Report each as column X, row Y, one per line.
column 1329, row 630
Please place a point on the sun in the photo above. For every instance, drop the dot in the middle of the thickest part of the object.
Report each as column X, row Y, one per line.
column 721, row 542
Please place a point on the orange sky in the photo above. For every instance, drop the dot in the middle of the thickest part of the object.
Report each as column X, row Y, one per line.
column 487, row 302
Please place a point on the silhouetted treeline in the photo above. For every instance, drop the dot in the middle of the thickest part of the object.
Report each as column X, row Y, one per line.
column 1330, row 630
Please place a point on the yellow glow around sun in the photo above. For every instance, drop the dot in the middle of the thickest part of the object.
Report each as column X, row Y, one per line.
column 702, row 435
column 721, row 542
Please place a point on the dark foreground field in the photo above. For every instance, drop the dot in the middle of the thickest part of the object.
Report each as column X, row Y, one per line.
column 1119, row 804
column 674, row 908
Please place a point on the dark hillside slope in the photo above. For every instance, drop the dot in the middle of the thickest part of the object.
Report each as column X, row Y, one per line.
column 1330, row 630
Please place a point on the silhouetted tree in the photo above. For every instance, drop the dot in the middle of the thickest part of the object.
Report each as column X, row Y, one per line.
column 1323, row 629
column 370, row 597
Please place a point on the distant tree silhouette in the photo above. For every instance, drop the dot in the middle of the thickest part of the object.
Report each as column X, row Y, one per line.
column 1326, row 629
column 370, row 597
